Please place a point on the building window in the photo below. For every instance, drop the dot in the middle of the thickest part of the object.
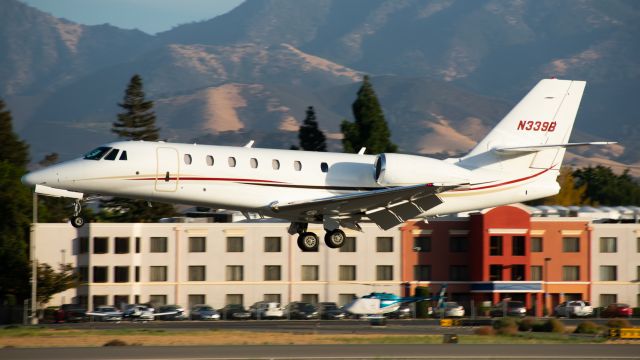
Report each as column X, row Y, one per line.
column 422, row 272
column 272, row 273
column 83, row 245
column 83, row 274
column 384, row 272
column 571, row 244
column 517, row 272
column 495, row 272
column 100, row 245
column 608, row 244
column 209, row 160
column 275, row 164
column 638, row 244
column 422, row 244
column 495, row 246
column 324, row 167
column 349, row 244
column 607, row 299
column 196, row 299
column 157, row 273
column 235, row 244
column 272, row 244
column 100, row 300
column 309, row 298
column 272, row 298
column 235, row 273
column 458, row 244
column 234, row 299
column 253, row 162
column 231, row 161
column 158, row 300
column 344, row 299
column 187, row 159
column 297, row 165
column 536, row 244
column 517, row 246
column 309, row 273
column 158, row 244
column 459, row 273
column 121, row 274
column 347, row 272
column 138, row 245
column 571, row 273
column 100, row 274
column 536, row 273
column 197, row 273
column 608, row 273
column 120, row 301
column 638, row 274
column 122, row 245
column 384, row 244
column 197, row 244
column 137, row 273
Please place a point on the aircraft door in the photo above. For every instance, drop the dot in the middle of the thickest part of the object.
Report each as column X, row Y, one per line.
column 168, row 167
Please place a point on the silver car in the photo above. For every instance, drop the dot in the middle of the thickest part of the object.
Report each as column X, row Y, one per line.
column 574, row 308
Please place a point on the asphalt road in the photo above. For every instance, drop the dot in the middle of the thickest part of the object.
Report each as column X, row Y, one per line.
column 451, row 351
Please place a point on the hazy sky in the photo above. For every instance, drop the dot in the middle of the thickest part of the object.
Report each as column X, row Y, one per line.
column 150, row 16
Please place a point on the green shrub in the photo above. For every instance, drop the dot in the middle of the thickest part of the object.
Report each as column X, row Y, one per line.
column 550, row 325
column 485, row 330
column 506, row 326
column 526, row 324
column 115, row 342
column 618, row 323
column 588, row 327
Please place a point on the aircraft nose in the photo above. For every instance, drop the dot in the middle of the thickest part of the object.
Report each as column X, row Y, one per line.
column 37, row 177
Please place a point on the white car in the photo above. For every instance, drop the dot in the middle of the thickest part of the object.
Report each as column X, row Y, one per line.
column 574, row 308
column 105, row 313
column 450, row 309
column 266, row 310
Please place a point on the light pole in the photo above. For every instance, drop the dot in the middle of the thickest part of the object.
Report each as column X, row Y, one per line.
column 546, row 280
column 34, row 262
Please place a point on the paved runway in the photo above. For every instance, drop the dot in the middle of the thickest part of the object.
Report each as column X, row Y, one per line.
column 452, row 351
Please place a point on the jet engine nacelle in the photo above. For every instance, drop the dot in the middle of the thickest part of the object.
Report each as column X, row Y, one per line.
column 402, row 170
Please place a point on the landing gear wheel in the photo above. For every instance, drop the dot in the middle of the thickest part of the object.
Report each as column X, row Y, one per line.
column 334, row 238
column 308, row 241
column 77, row 221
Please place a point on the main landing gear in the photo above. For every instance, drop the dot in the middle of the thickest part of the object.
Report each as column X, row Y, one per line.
column 76, row 220
column 309, row 241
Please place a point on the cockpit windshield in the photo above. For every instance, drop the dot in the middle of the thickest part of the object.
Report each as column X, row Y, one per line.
column 96, row 154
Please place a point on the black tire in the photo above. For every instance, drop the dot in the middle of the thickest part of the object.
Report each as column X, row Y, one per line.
column 308, row 241
column 335, row 238
column 77, row 221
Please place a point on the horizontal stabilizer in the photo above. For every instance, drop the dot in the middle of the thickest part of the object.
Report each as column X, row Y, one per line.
column 535, row 148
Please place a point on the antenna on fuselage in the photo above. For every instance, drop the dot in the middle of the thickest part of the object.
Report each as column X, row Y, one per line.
column 362, row 150
column 249, row 144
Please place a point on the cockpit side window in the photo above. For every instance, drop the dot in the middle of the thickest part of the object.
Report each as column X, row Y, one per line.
column 112, row 155
column 123, row 156
column 96, row 154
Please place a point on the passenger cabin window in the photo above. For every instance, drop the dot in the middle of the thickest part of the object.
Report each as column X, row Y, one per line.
column 275, row 164
column 209, row 160
column 253, row 162
column 232, row 161
column 324, row 167
column 123, row 156
column 96, row 154
column 297, row 165
column 187, row 159
column 112, row 155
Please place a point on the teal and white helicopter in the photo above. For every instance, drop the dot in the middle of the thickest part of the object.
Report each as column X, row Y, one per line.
column 377, row 304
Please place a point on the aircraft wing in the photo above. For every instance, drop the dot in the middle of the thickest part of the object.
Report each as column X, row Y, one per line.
column 387, row 207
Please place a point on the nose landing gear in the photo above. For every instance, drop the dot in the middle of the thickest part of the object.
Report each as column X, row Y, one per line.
column 76, row 220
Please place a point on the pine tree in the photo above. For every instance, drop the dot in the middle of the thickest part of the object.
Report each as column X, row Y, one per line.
column 15, row 211
column 370, row 128
column 136, row 122
column 570, row 193
column 311, row 137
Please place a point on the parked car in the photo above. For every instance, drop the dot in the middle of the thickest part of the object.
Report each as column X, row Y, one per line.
column 300, row 310
column 234, row 312
column 450, row 309
column 508, row 308
column 617, row 310
column 138, row 312
column 574, row 308
column 266, row 310
column 203, row 312
column 71, row 313
column 403, row 312
column 176, row 312
column 105, row 313
column 330, row 311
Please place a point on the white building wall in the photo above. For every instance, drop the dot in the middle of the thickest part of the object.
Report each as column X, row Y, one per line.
column 626, row 258
column 52, row 239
